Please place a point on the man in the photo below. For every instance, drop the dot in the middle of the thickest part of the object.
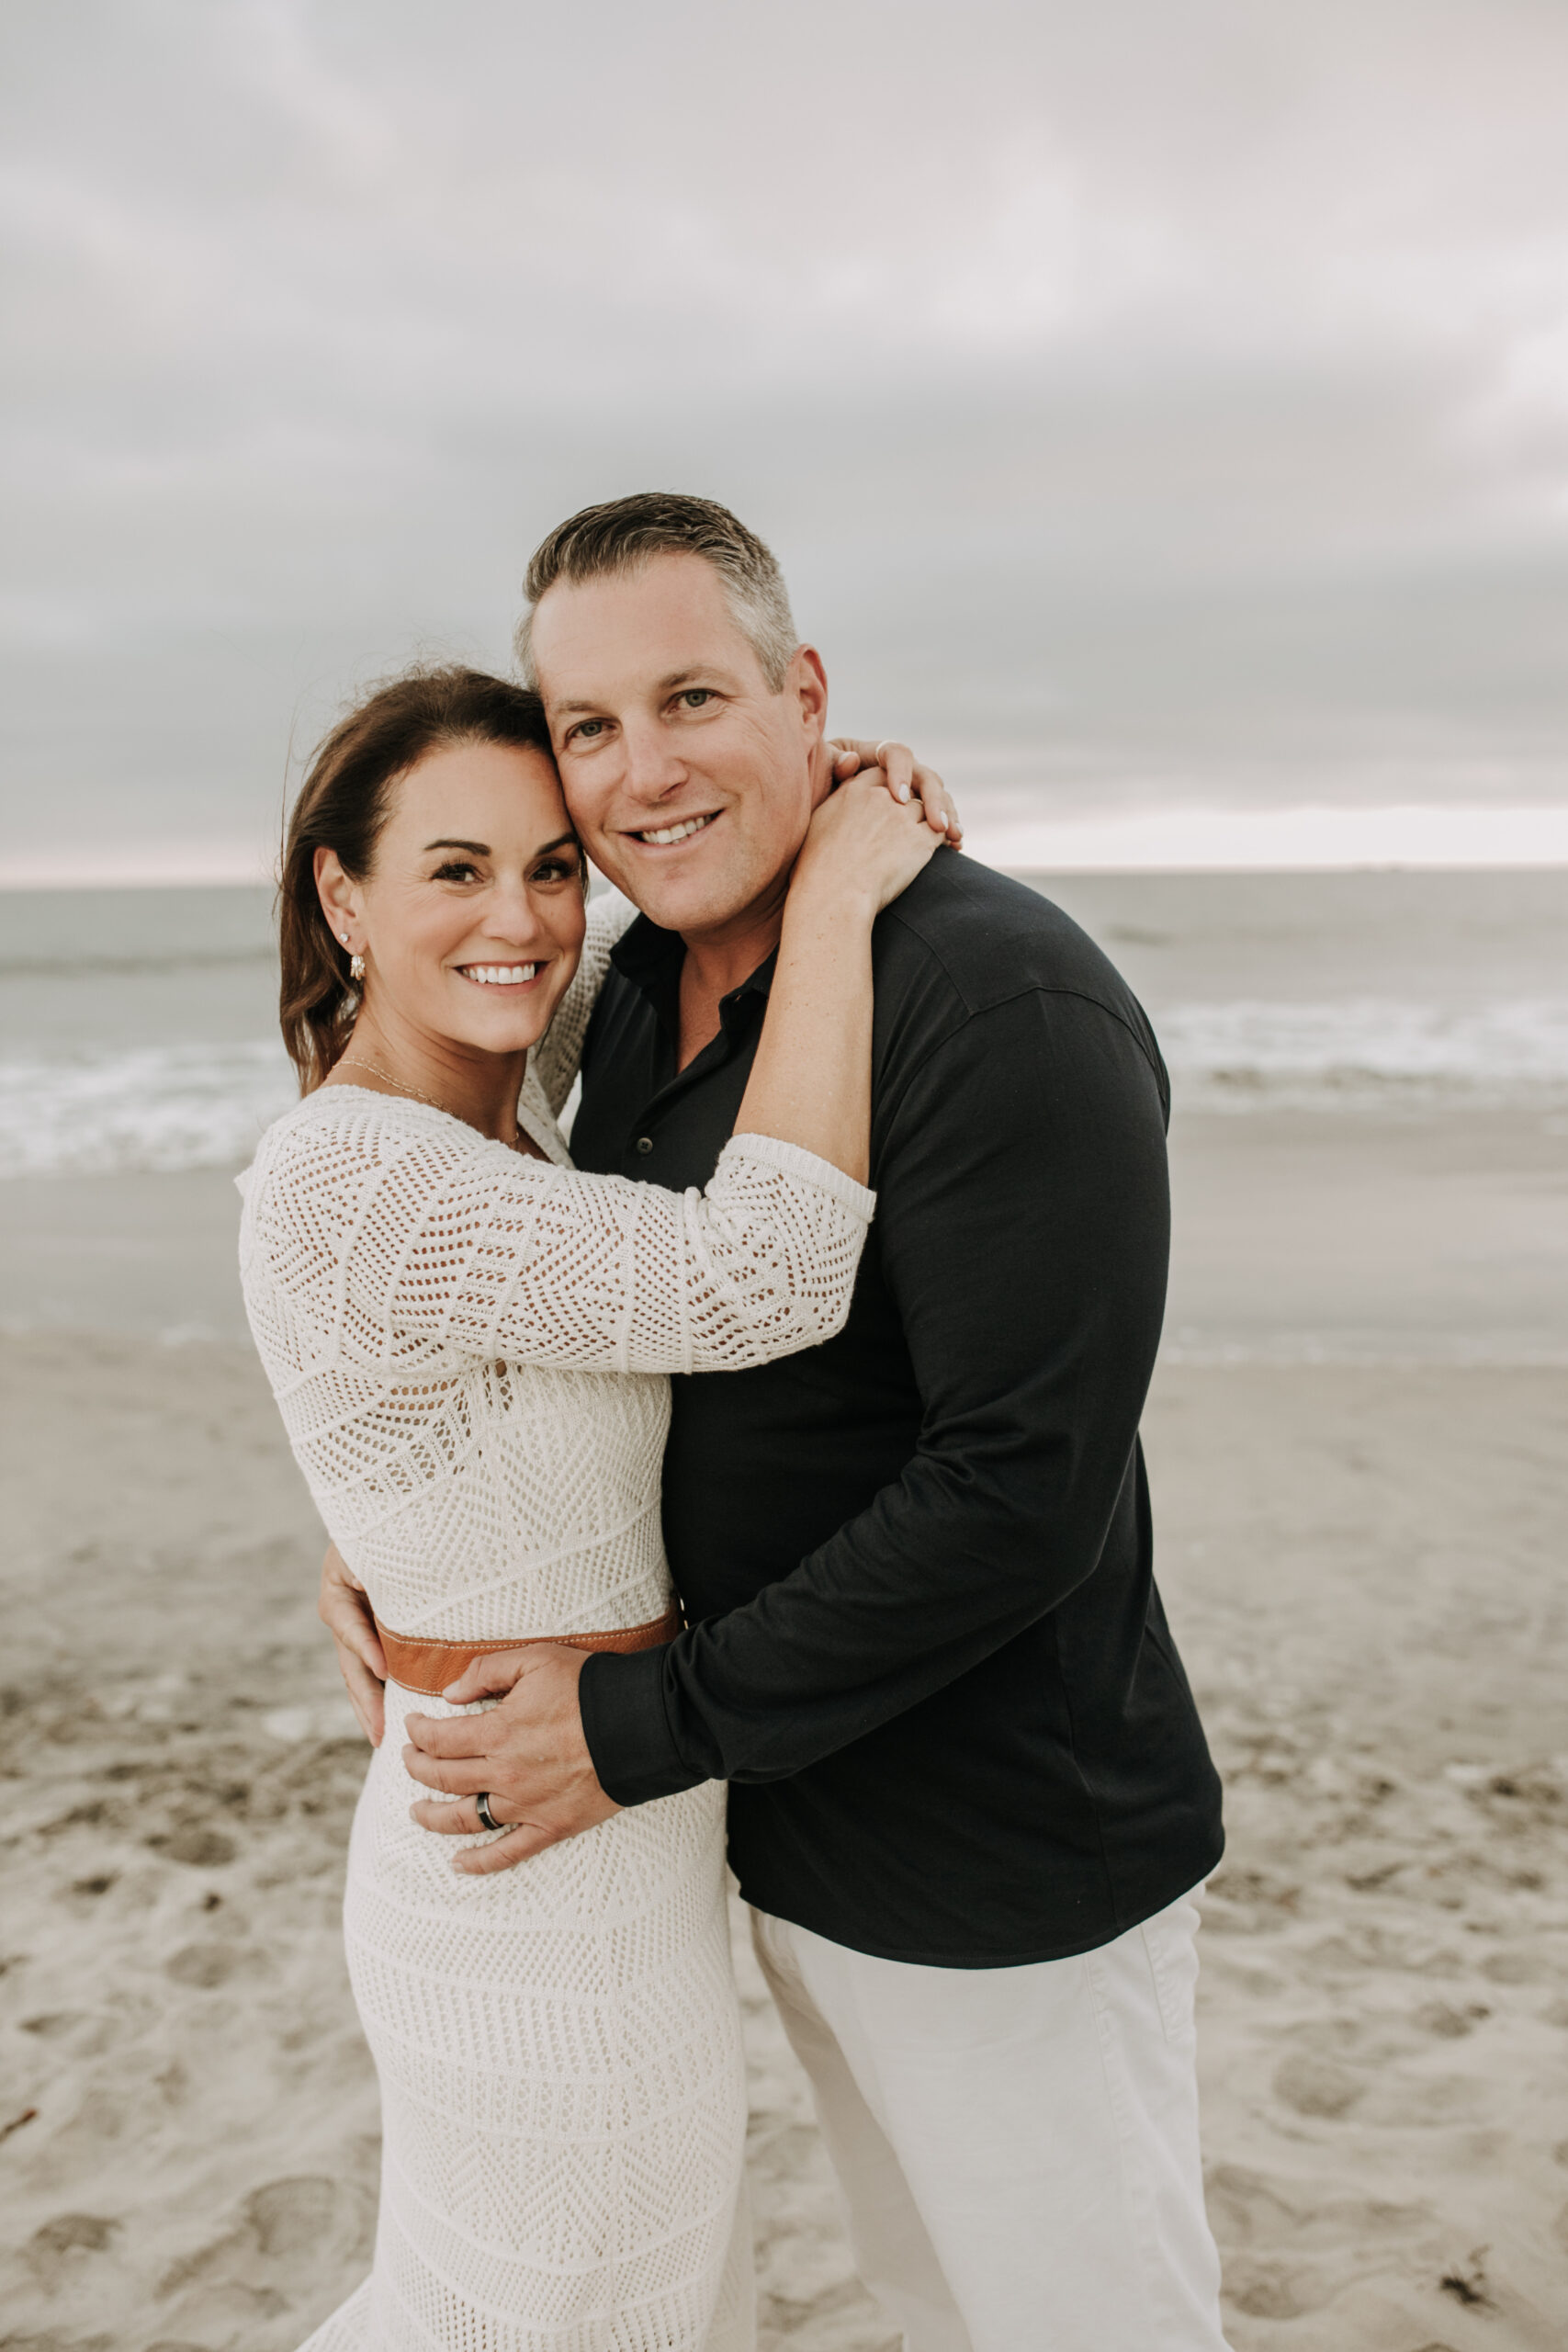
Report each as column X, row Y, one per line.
column 969, row 1792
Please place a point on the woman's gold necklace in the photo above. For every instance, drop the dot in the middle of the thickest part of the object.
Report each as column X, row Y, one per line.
column 352, row 1061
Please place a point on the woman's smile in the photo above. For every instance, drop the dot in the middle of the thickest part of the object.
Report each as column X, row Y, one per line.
column 511, row 977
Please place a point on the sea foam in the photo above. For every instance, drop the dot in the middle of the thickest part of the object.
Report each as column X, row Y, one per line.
column 1369, row 1046
column 147, row 1107
column 181, row 1106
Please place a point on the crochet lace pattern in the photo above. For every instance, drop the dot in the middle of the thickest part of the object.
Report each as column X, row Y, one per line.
column 469, row 1349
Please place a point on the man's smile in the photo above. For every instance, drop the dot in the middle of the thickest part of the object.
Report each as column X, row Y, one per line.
column 666, row 836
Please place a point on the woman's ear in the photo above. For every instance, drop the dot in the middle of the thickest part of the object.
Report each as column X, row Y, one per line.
column 339, row 896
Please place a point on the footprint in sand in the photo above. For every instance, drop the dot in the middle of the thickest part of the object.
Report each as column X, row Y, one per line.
column 1520, row 1968
column 1316, row 2087
column 204, row 1966
column 82, row 2033
column 1293, row 2246
column 291, row 2240
column 1448, row 2023
column 56, row 2249
column 203, row 1850
column 291, row 2217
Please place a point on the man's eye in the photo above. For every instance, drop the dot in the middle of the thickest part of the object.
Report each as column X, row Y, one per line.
column 695, row 696
column 586, row 730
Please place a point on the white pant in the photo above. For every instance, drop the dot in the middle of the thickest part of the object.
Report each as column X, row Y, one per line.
column 1017, row 2147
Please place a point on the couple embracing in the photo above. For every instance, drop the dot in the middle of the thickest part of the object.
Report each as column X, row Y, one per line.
column 766, row 1466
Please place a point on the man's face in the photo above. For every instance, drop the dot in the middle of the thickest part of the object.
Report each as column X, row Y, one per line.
column 691, row 783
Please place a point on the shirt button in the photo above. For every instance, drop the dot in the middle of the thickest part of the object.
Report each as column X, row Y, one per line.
column 644, row 1144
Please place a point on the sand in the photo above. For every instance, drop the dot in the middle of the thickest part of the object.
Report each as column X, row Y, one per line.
column 1362, row 1560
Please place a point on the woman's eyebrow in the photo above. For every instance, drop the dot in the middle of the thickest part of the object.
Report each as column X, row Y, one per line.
column 481, row 849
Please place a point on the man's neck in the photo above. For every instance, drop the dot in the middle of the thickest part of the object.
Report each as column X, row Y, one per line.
column 716, row 963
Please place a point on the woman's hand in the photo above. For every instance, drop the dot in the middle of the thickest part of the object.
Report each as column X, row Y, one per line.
column 344, row 1611
column 811, row 1083
column 903, row 775
column 865, row 847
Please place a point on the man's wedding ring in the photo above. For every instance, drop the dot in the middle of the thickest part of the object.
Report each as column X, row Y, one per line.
column 486, row 1818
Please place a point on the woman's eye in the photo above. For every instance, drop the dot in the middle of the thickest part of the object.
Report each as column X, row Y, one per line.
column 456, row 870
column 555, row 869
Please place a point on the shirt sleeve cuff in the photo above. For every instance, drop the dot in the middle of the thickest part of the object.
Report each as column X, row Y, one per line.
column 627, row 1727
column 791, row 1160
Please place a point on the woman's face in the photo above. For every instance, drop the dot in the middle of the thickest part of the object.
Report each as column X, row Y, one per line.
column 470, row 919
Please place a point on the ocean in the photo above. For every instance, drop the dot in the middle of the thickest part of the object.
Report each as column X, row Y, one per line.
column 1347, row 1038
column 138, row 1028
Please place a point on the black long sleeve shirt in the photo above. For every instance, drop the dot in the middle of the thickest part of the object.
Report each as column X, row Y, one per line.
column 926, row 1648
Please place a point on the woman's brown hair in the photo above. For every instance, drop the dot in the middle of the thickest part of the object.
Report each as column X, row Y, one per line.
column 342, row 805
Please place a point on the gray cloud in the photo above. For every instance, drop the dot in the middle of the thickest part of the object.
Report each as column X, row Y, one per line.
column 1146, row 402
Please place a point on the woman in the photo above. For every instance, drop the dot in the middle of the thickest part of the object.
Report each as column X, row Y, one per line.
column 469, row 1340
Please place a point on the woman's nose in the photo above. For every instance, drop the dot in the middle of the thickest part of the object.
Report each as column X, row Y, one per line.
column 510, row 915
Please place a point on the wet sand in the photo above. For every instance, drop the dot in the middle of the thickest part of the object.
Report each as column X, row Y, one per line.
column 1362, row 1558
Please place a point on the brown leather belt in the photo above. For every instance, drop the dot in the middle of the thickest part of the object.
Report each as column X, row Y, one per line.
column 427, row 1667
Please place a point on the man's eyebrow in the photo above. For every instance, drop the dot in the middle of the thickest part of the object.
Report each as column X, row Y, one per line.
column 702, row 672
column 670, row 683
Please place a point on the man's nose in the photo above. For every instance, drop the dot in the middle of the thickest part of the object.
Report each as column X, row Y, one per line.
column 651, row 767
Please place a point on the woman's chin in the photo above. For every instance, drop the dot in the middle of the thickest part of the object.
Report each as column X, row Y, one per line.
column 503, row 1019
column 500, row 1034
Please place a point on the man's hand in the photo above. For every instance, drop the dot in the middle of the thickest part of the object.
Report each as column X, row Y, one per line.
column 345, row 1612
column 528, row 1753
column 904, row 775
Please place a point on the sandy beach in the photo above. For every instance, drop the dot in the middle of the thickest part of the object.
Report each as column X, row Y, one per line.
column 1356, row 1443
column 1362, row 1560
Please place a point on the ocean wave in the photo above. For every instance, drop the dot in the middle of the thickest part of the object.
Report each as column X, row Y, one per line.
column 171, row 1107
column 149, row 1107
column 1368, row 1046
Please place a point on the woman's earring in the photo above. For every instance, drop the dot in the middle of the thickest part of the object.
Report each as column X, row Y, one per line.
column 356, row 967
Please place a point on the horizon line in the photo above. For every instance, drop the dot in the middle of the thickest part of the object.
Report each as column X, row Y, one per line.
column 1306, row 838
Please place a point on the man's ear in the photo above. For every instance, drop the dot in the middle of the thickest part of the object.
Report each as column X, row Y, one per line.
column 808, row 682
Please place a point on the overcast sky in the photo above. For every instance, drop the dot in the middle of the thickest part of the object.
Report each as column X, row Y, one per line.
column 1151, row 404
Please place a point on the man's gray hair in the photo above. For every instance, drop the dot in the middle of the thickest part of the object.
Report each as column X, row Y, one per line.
column 626, row 533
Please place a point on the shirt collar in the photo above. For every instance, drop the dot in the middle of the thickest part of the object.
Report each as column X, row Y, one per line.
column 650, row 958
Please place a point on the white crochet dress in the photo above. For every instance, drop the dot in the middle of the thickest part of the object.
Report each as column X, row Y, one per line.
column 469, row 1349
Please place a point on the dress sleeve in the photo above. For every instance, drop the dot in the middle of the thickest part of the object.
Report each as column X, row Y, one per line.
column 559, row 1051
column 461, row 1246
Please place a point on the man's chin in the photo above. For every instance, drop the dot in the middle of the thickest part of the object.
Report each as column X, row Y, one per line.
column 690, row 891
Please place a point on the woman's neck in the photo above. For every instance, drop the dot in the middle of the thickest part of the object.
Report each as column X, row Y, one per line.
column 391, row 1057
